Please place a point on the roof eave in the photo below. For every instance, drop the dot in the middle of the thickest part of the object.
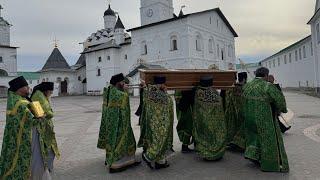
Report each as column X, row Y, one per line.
column 85, row 52
column 56, row 70
column 186, row 15
column 287, row 48
column 316, row 14
column 9, row 47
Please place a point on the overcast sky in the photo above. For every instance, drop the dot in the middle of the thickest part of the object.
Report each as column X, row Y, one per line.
column 264, row 27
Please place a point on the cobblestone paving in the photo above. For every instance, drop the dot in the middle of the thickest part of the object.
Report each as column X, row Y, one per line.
column 77, row 123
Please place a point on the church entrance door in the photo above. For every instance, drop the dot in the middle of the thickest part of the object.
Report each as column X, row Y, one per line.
column 3, row 91
column 64, row 88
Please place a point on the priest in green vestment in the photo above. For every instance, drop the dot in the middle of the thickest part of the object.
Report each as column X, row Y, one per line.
column 209, row 129
column 116, row 135
column 156, row 124
column 48, row 143
column 234, row 114
column 184, row 102
column 264, row 143
column 20, row 155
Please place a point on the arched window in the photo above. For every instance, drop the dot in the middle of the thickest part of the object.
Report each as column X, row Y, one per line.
column 59, row 79
column 222, row 54
column 144, row 48
column 210, row 45
column 173, row 43
column 230, row 50
column 198, row 43
column 3, row 73
column 98, row 72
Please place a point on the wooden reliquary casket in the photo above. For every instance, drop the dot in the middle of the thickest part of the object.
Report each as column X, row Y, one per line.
column 187, row 78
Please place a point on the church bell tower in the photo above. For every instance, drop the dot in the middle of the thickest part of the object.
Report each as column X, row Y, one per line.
column 152, row 11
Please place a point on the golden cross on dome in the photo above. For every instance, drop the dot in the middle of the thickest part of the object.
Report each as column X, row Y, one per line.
column 55, row 41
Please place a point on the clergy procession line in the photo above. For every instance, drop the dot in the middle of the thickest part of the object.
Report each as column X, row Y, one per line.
column 244, row 118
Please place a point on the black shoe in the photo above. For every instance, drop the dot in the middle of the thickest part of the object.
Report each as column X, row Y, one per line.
column 235, row 148
column 212, row 160
column 185, row 149
column 161, row 166
column 287, row 129
column 147, row 162
column 137, row 163
column 172, row 150
column 256, row 162
column 112, row 171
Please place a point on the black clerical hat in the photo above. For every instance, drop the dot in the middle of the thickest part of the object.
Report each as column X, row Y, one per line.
column 17, row 83
column 47, row 86
column 44, row 86
column 159, row 79
column 117, row 78
column 206, row 81
column 242, row 76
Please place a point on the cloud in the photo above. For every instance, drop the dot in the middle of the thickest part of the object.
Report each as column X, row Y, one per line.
column 264, row 27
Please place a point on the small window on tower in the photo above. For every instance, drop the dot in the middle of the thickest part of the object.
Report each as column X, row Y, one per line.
column 145, row 49
column 1, row 60
column 79, row 78
column 174, row 43
column 300, row 54
column 99, row 72
column 210, row 45
column 290, row 57
column 222, row 55
column 198, row 43
column 125, row 57
column 285, row 59
column 108, row 58
column 274, row 63
column 99, row 59
column 304, row 52
column 230, row 49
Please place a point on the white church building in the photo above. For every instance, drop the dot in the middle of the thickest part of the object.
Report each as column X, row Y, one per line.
column 186, row 41
column 297, row 66
column 164, row 40
column 8, row 56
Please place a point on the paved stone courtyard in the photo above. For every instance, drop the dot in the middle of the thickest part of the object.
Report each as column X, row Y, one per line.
column 77, row 123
